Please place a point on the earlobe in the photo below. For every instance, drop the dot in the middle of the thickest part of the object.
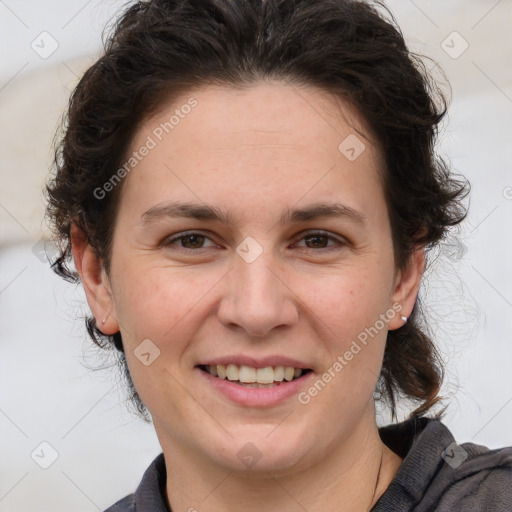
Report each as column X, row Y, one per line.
column 95, row 281
column 406, row 289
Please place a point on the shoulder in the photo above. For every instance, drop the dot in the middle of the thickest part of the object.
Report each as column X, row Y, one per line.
column 150, row 494
column 437, row 474
column 126, row 504
column 479, row 479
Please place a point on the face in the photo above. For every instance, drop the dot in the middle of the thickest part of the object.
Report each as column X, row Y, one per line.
column 253, row 233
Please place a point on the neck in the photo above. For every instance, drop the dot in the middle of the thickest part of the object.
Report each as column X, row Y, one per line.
column 349, row 478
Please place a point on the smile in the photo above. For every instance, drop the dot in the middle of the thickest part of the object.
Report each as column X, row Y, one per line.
column 250, row 377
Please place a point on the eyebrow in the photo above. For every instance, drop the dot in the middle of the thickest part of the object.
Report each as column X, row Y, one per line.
column 204, row 212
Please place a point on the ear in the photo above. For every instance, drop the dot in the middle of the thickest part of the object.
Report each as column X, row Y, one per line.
column 95, row 280
column 407, row 284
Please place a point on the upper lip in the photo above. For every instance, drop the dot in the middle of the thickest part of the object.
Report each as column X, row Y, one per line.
column 256, row 362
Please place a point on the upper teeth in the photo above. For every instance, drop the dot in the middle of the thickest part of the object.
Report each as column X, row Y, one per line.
column 249, row 374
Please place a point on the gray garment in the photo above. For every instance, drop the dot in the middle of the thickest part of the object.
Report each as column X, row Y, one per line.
column 469, row 478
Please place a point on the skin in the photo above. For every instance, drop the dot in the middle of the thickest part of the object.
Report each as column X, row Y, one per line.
column 254, row 153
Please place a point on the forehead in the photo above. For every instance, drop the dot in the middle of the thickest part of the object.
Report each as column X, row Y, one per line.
column 254, row 143
column 267, row 107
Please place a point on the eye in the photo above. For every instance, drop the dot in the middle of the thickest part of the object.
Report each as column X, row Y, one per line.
column 194, row 241
column 320, row 239
column 189, row 241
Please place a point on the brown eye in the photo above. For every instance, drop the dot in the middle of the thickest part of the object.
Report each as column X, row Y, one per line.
column 192, row 241
column 188, row 241
column 320, row 240
column 317, row 241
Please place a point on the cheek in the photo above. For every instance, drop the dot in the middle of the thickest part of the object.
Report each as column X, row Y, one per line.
column 152, row 301
column 156, row 304
column 353, row 337
column 349, row 306
column 348, row 301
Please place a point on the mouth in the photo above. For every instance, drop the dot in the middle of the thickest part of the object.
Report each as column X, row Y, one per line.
column 250, row 377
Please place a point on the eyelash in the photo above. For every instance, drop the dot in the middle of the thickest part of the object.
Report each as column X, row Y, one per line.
column 170, row 241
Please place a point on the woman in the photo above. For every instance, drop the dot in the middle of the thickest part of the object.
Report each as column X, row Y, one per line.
column 248, row 190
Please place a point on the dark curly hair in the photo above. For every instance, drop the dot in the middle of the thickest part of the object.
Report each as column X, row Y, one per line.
column 353, row 49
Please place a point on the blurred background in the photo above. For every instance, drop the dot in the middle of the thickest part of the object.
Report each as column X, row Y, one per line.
column 68, row 442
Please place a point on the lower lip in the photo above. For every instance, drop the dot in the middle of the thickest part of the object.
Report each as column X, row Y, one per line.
column 256, row 397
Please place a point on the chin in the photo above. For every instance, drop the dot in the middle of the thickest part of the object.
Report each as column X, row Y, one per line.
column 256, row 451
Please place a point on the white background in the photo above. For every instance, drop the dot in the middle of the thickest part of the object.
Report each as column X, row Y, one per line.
column 48, row 391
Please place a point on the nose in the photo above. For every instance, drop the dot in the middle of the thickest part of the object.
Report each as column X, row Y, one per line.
column 256, row 298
